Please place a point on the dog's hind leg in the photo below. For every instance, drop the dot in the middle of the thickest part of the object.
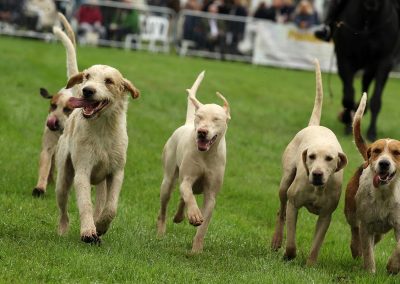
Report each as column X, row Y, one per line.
column 180, row 212
column 46, row 158
column 319, row 235
column 167, row 186
column 114, row 184
column 101, row 197
column 286, row 181
column 63, row 184
column 209, row 204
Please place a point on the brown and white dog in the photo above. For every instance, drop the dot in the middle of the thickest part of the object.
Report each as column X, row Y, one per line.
column 92, row 149
column 58, row 112
column 312, row 176
column 372, row 205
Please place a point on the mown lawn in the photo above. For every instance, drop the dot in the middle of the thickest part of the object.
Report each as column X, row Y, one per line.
column 268, row 107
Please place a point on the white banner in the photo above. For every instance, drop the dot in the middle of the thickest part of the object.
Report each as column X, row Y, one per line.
column 288, row 46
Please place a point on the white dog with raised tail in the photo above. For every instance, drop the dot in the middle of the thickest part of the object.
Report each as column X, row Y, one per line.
column 196, row 154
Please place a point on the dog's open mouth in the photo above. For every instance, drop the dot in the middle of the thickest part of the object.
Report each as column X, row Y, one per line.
column 203, row 144
column 383, row 178
column 89, row 107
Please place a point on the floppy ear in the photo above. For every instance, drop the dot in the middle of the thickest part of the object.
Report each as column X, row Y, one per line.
column 45, row 94
column 226, row 105
column 76, row 79
column 342, row 162
column 304, row 157
column 135, row 93
column 195, row 101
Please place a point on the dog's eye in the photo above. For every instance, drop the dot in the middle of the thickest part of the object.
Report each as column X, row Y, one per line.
column 67, row 110
column 312, row 157
column 396, row 153
column 87, row 76
column 328, row 158
column 199, row 117
column 53, row 106
column 215, row 119
column 108, row 81
column 377, row 151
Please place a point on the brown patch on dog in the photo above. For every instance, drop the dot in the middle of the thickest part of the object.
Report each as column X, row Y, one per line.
column 76, row 79
column 135, row 93
column 376, row 149
column 351, row 191
column 394, row 149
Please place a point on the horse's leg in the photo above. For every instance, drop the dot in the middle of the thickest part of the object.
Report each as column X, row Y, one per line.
column 381, row 76
column 346, row 73
column 368, row 76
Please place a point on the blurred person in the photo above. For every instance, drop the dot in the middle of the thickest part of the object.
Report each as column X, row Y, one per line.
column 272, row 13
column 125, row 21
column 90, row 19
column 236, row 28
column 193, row 29
column 216, row 31
column 305, row 16
column 10, row 11
column 287, row 10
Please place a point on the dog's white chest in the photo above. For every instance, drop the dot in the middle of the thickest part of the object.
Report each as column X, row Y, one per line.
column 378, row 208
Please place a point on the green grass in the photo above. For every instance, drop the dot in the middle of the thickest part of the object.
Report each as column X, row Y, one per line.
column 268, row 107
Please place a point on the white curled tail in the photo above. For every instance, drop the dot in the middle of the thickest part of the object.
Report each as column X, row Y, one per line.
column 192, row 93
column 315, row 118
column 72, row 65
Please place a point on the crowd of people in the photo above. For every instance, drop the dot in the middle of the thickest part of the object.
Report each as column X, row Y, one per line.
column 208, row 33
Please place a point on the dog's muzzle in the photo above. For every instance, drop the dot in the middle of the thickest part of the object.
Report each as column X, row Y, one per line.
column 317, row 178
column 383, row 176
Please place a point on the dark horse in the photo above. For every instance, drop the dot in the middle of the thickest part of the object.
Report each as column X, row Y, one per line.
column 366, row 37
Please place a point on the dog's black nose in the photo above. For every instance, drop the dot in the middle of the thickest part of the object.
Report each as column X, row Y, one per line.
column 384, row 164
column 202, row 133
column 88, row 92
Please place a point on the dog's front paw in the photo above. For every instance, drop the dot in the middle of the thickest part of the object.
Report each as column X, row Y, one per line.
column 290, row 254
column 38, row 192
column 195, row 217
column 90, row 237
column 393, row 266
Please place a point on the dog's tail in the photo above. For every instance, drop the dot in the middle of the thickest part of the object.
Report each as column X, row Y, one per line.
column 192, row 93
column 68, row 42
column 68, row 29
column 358, row 139
column 316, row 113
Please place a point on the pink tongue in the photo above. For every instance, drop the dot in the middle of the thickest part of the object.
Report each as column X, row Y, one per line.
column 78, row 102
column 376, row 180
column 202, row 144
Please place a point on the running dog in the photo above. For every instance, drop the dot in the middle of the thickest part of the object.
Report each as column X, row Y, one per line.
column 196, row 154
column 92, row 149
column 58, row 112
column 312, row 177
column 372, row 205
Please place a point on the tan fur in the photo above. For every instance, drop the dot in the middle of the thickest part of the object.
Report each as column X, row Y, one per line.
column 313, row 165
column 92, row 151
column 59, row 110
column 373, row 208
column 198, row 171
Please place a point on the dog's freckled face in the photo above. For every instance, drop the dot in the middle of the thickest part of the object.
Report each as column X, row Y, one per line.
column 59, row 109
column 101, row 86
column 384, row 159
